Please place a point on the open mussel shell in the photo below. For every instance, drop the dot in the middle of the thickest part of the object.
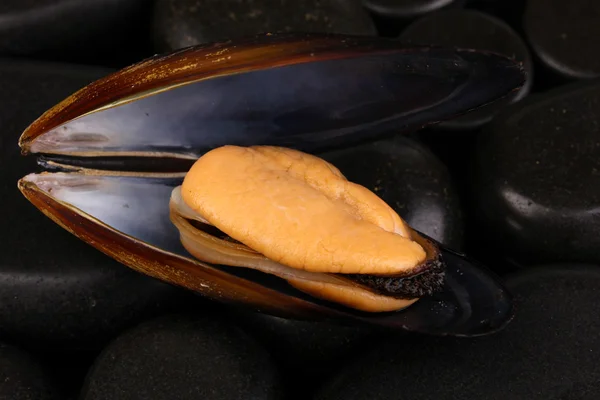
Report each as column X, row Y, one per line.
column 124, row 142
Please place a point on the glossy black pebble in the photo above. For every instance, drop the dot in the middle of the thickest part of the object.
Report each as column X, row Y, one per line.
column 549, row 351
column 536, row 178
column 183, row 357
column 565, row 35
column 476, row 30
column 54, row 289
column 409, row 9
column 411, row 179
column 22, row 377
column 97, row 31
column 181, row 23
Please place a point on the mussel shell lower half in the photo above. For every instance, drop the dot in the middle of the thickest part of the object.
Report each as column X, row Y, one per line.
column 126, row 218
column 309, row 92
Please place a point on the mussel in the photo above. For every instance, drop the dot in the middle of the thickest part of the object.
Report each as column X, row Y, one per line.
column 144, row 165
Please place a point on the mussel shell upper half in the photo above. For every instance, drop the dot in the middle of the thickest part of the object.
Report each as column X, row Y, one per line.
column 124, row 142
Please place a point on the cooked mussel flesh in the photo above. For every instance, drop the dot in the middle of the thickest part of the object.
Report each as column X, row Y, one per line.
column 296, row 216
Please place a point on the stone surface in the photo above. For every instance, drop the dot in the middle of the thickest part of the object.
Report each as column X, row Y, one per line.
column 55, row 289
column 475, row 30
column 535, row 181
column 565, row 35
column 183, row 357
column 106, row 32
column 23, row 377
column 549, row 351
column 181, row 23
column 407, row 176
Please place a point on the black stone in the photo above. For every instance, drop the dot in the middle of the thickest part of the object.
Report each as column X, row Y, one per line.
column 549, row 351
column 181, row 23
column 56, row 290
column 535, row 181
column 23, row 377
column 475, row 30
column 105, row 32
column 183, row 357
column 408, row 177
column 565, row 36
